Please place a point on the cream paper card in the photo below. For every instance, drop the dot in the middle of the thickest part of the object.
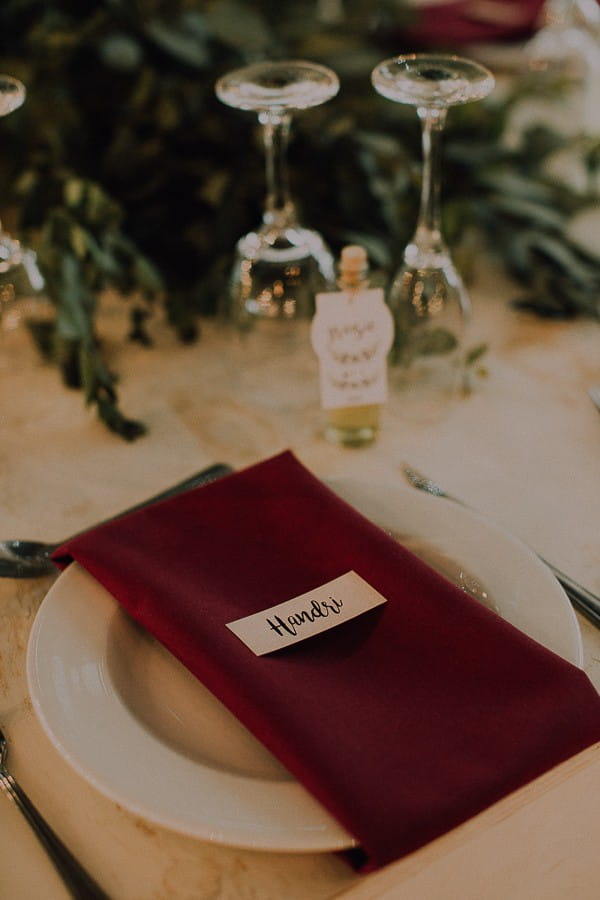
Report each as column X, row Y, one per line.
column 351, row 333
column 294, row 620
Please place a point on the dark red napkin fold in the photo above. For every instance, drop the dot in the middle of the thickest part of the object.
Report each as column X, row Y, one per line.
column 403, row 722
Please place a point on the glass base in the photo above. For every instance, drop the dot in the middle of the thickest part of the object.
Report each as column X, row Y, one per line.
column 431, row 306
column 431, row 310
column 276, row 276
column 428, row 277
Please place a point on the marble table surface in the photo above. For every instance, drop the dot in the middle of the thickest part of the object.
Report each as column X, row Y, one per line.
column 523, row 447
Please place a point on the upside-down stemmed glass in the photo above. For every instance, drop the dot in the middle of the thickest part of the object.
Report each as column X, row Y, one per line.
column 13, row 256
column 12, row 96
column 280, row 266
column 428, row 298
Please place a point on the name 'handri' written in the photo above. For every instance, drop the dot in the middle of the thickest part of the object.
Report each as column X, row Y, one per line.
column 318, row 609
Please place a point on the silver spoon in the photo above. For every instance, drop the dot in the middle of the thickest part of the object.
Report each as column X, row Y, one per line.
column 31, row 559
column 587, row 603
column 78, row 882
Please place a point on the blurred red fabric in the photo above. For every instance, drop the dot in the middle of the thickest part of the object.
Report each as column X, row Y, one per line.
column 471, row 21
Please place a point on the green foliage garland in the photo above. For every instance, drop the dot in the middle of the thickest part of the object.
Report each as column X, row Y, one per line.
column 128, row 173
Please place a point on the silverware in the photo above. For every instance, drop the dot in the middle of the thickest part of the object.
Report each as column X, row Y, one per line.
column 31, row 559
column 594, row 392
column 587, row 603
column 78, row 882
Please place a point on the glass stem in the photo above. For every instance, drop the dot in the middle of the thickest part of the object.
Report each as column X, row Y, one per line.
column 428, row 236
column 279, row 208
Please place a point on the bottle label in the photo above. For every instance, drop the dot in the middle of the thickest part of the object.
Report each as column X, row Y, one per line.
column 352, row 333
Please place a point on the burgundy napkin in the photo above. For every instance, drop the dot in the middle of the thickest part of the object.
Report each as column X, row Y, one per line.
column 403, row 722
column 469, row 21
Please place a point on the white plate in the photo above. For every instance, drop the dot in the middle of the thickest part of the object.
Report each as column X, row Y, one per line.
column 133, row 722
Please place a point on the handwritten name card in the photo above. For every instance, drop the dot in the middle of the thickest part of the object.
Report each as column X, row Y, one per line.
column 308, row 614
column 352, row 333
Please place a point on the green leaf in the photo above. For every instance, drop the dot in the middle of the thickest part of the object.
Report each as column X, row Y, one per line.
column 79, row 240
column 434, row 342
column 73, row 191
column 530, row 212
column 520, row 187
column 146, row 275
column 475, row 353
column 111, row 415
column 87, row 372
column 239, row 25
column 76, row 305
column 185, row 43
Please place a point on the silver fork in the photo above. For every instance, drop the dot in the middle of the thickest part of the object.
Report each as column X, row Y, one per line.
column 30, row 559
column 77, row 881
column 587, row 603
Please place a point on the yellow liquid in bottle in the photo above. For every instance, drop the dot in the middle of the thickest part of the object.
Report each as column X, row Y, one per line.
column 352, row 426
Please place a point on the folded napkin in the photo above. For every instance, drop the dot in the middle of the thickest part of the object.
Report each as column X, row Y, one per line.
column 403, row 722
column 469, row 21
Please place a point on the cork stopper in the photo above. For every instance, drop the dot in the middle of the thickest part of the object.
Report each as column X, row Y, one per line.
column 354, row 264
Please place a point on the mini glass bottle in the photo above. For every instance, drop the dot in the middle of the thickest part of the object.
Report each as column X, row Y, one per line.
column 352, row 333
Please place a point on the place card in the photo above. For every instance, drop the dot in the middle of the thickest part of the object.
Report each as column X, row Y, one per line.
column 309, row 614
column 351, row 333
